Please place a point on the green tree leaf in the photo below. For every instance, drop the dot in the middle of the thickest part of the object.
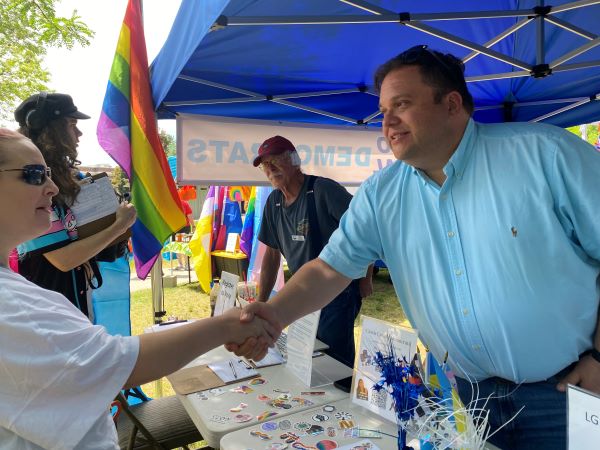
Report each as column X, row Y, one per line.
column 28, row 28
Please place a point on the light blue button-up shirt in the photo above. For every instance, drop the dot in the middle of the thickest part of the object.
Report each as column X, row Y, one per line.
column 500, row 265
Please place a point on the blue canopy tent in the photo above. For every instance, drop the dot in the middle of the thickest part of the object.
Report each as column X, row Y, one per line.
column 313, row 60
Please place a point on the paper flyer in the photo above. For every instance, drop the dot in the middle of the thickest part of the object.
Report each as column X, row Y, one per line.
column 300, row 355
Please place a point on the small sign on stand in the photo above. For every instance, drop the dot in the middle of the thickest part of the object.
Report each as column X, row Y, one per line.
column 583, row 423
column 227, row 293
column 232, row 242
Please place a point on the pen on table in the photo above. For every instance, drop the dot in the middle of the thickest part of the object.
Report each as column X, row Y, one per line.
column 248, row 365
column 233, row 369
column 172, row 322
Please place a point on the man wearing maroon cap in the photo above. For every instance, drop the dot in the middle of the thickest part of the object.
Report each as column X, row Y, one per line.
column 299, row 217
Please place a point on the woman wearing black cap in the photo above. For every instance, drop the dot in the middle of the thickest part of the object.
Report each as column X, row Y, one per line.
column 57, row 260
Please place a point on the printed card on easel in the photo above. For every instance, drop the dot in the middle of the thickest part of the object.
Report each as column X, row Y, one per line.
column 378, row 335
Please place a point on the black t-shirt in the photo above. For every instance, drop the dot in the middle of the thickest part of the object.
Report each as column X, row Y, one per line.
column 286, row 228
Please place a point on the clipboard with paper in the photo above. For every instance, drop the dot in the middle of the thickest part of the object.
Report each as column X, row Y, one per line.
column 96, row 206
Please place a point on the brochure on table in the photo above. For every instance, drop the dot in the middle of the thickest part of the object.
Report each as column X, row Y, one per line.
column 377, row 335
column 300, row 355
column 583, row 418
column 227, row 293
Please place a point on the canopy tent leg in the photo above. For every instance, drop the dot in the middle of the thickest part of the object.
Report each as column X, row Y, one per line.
column 158, row 298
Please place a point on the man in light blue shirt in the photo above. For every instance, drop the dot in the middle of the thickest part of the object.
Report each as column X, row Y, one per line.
column 491, row 234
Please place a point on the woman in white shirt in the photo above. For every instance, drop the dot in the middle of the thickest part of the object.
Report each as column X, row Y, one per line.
column 58, row 372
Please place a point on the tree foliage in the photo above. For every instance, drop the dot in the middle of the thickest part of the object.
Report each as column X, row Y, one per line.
column 168, row 142
column 119, row 181
column 27, row 29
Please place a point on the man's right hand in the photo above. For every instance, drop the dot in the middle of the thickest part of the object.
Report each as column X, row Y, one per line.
column 252, row 348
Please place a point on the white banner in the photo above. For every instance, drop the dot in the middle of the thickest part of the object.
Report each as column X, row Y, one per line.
column 220, row 150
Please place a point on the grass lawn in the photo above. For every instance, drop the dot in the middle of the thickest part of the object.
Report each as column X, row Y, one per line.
column 188, row 302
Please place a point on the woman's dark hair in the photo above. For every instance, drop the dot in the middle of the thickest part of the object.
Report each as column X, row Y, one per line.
column 60, row 154
column 443, row 72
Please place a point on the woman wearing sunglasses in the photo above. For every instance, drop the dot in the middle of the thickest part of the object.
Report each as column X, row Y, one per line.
column 59, row 372
column 57, row 260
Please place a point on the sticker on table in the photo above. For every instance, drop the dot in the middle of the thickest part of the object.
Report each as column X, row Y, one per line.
column 331, row 432
column 281, row 391
column 315, row 430
column 341, row 415
column 202, row 396
column 279, row 404
column 326, row 444
column 345, row 424
column 260, row 435
column 329, row 408
column 241, row 418
column 302, row 446
column 312, row 393
column 302, row 401
column 276, row 446
column 269, row 426
column 263, row 398
column 361, row 445
column 285, row 424
column 289, row 437
column 366, row 433
column 266, row 415
column 242, row 389
column 217, row 391
column 302, row 426
column 284, row 396
column 219, row 419
column 257, row 381
column 320, row 417
column 238, row 408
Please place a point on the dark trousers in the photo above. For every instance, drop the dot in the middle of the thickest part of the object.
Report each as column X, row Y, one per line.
column 336, row 324
column 540, row 425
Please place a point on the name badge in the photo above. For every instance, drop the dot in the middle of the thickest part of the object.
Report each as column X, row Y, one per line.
column 297, row 237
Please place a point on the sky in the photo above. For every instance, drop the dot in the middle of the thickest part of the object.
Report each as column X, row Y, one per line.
column 83, row 71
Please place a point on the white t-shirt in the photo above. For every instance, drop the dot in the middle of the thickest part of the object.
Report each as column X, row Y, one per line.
column 58, row 372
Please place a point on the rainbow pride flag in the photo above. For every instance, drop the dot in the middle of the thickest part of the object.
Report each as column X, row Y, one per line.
column 248, row 228
column 128, row 133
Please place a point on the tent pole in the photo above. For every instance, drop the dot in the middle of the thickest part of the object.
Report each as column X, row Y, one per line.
column 158, row 299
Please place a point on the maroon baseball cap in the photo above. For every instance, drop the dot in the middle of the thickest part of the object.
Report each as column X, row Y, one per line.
column 275, row 145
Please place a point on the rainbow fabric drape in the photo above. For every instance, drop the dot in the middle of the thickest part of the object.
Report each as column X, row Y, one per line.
column 128, row 133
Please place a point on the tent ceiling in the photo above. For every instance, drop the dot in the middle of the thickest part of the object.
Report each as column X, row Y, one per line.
column 313, row 60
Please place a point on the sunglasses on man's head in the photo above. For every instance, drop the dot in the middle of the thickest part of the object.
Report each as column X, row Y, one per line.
column 34, row 174
column 418, row 52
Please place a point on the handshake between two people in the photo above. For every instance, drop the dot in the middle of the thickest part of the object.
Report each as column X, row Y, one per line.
column 256, row 329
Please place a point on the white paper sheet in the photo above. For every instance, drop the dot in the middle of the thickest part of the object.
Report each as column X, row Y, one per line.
column 273, row 358
column 232, row 369
column 95, row 200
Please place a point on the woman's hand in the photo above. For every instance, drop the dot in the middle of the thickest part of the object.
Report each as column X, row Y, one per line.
column 126, row 216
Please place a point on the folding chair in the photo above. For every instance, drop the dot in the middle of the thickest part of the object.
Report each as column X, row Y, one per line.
column 162, row 423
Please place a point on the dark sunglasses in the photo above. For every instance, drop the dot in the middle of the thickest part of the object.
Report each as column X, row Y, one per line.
column 34, row 174
column 419, row 52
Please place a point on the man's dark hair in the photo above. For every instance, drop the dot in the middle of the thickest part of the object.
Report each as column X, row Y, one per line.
column 443, row 72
